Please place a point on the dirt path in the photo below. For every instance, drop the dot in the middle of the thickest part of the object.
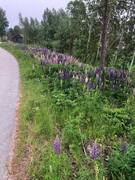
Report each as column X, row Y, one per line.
column 9, row 90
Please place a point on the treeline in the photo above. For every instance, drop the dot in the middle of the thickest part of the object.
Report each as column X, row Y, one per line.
column 96, row 31
column 3, row 23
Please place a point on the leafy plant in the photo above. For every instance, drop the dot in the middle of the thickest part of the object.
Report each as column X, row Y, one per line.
column 122, row 165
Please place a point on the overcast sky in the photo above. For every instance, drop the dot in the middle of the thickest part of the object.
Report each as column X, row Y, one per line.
column 29, row 8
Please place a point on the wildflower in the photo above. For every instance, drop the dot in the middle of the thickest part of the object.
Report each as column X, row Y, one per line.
column 57, row 145
column 95, row 151
column 111, row 73
column 124, row 148
column 91, row 85
column 98, row 71
column 66, row 75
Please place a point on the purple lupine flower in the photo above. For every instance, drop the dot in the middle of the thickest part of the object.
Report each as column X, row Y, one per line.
column 95, row 152
column 66, row 75
column 52, row 56
column 91, row 85
column 98, row 71
column 111, row 73
column 124, row 147
column 124, row 75
column 57, row 146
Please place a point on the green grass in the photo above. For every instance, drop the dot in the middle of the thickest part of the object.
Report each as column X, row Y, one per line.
column 51, row 107
column 37, row 122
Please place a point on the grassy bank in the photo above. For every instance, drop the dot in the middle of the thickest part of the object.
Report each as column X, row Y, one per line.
column 96, row 129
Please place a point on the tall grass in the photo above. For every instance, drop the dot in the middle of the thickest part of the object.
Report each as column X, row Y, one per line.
column 87, row 123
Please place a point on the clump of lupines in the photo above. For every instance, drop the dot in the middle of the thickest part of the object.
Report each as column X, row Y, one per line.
column 57, row 145
column 51, row 57
column 101, row 78
column 65, row 75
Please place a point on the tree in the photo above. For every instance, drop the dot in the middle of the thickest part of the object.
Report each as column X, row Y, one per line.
column 78, row 28
column 30, row 28
column 98, row 32
column 105, row 31
column 94, row 30
column 50, row 24
column 3, row 22
column 17, row 30
column 62, row 35
column 122, row 36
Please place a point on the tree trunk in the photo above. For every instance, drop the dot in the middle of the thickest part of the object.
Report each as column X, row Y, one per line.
column 105, row 29
column 132, row 62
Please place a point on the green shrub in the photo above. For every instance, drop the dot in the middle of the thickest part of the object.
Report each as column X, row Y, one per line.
column 51, row 166
column 121, row 166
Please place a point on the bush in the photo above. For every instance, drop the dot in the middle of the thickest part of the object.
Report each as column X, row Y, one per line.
column 121, row 166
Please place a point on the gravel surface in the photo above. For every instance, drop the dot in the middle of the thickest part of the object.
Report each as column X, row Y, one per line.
column 9, row 93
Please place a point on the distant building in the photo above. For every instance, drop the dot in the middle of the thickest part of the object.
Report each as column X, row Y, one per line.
column 18, row 38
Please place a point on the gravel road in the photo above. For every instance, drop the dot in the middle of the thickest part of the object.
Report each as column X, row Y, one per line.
column 9, row 93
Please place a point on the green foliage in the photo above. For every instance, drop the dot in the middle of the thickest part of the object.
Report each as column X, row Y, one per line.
column 122, row 166
column 53, row 106
column 118, row 120
column 51, row 166
column 3, row 23
column 78, row 31
column 132, row 75
column 13, row 31
column 30, row 28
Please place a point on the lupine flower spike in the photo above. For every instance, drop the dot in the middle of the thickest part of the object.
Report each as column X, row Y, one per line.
column 57, row 145
column 95, row 151
column 124, row 147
